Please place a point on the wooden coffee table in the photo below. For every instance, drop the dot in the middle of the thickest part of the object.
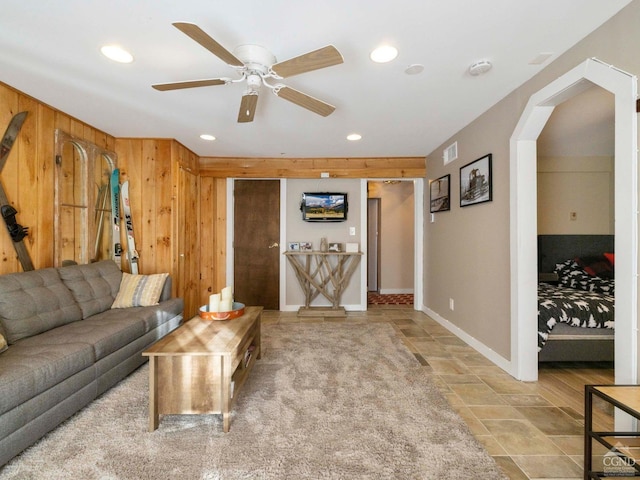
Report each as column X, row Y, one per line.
column 200, row 367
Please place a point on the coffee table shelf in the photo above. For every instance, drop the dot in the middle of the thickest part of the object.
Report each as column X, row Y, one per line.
column 622, row 459
column 200, row 367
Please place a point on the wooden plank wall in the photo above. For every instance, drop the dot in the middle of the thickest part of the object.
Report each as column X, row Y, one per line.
column 29, row 172
column 163, row 184
column 213, row 240
column 186, row 233
column 152, row 167
column 388, row 167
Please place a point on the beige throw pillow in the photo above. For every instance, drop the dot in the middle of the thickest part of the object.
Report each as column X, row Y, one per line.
column 139, row 290
column 3, row 343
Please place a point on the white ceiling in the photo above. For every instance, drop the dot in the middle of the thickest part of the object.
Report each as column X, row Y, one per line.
column 50, row 50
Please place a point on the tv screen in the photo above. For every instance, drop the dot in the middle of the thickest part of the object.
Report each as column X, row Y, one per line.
column 324, row 207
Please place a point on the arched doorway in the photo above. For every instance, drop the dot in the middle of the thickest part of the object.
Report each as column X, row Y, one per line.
column 524, row 363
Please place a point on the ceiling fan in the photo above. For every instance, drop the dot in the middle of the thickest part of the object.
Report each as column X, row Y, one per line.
column 256, row 65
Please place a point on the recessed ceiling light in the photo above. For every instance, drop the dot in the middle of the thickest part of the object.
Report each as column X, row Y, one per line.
column 414, row 69
column 384, row 54
column 354, row 136
column 117, row 54
column 206, row 136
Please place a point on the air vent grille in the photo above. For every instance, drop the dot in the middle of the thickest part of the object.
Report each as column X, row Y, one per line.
column 450, row 153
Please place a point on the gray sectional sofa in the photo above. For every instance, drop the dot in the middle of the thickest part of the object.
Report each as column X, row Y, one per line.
column 66, row 345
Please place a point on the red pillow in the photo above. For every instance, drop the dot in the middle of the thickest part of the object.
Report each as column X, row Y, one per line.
column 596, row 266
column 610, row 257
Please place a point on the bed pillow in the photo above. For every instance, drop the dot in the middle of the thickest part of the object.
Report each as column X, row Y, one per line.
column 571, row 275
column 596, row 266
column 139, row 290
column 611, row 257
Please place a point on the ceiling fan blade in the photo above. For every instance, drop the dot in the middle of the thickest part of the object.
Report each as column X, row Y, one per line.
column 305, row 101
column 321, row 58
column 197, row 34
column 247, row 107
column 163, row 87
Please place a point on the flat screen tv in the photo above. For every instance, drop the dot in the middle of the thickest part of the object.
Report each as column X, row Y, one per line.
column 324, row 207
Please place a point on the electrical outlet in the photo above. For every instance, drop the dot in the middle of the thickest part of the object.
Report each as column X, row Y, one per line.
column 451, row 304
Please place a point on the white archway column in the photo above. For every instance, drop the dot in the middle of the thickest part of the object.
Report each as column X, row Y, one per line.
column 524, row 358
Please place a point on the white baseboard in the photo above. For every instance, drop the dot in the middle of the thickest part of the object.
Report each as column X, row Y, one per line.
column 490, row 354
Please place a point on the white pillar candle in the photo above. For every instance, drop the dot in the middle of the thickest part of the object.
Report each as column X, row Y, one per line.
column 214, row 302
column 226, row 293
column 226, row 305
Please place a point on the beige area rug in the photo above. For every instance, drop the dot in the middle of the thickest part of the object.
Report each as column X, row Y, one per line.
column 326, row 401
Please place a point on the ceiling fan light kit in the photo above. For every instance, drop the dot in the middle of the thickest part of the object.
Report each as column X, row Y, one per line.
column 256, row 65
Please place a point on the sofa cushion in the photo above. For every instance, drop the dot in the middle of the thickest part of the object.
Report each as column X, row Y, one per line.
column 104, row 332
column 139, row 290
column 27, row 371
column 34, row 302
column 94, row 286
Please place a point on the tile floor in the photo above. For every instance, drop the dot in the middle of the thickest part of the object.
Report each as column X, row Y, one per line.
column 532, row 430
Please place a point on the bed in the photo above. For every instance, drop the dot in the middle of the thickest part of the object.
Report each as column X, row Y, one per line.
column 575, row 298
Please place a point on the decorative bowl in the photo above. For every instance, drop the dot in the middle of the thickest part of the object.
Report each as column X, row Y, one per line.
column 238, row 311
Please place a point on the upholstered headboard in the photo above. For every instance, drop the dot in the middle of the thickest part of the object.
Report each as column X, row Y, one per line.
column 554, row 249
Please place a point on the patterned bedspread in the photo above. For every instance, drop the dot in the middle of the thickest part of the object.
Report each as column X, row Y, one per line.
column 575, row 307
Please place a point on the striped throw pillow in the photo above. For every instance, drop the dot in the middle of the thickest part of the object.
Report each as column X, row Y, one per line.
column 139, row 290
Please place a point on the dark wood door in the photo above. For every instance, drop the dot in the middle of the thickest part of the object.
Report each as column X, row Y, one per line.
column 256, row 259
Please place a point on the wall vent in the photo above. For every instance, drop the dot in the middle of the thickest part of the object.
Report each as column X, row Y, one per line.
column 450, row 153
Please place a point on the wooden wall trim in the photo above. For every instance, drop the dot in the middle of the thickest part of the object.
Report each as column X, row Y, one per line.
column 383, row 167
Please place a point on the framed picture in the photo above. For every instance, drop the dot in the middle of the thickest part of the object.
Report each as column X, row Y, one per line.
column 305, row 246
column 440, row 192
column 293, row 247
column 335, row 247
column 475, row 182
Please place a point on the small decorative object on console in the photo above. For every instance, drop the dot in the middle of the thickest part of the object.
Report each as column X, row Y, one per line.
column 294, row 246
column 305, row 246
column 335, row 247
column 352, row 247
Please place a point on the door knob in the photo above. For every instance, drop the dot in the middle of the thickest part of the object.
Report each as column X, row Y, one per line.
column 274, row 245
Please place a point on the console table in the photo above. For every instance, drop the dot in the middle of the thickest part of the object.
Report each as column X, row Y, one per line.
column 620, row 460
column 323, row 273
